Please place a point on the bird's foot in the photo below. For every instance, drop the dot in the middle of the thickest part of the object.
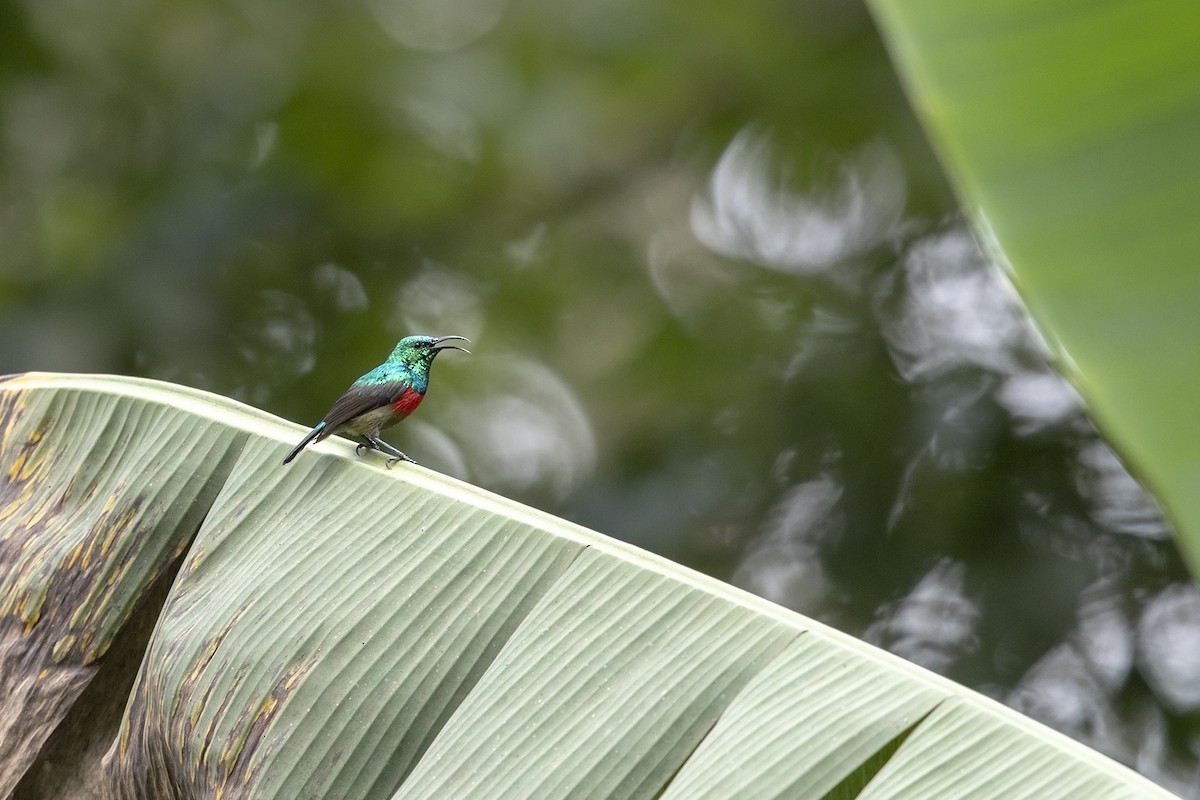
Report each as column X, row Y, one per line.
column 358, row 450
column 401, row 457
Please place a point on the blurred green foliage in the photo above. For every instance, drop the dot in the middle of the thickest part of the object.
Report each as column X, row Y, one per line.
column 721, row 301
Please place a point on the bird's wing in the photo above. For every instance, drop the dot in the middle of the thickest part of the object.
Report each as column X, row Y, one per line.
column 359, row 400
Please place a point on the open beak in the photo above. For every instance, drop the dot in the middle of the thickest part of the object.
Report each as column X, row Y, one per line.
column 441, row 339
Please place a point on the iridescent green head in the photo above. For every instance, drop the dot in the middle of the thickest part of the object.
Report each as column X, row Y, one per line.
column 418, row 352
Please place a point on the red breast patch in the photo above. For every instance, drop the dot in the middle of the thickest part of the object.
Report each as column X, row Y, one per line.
column 407, row 403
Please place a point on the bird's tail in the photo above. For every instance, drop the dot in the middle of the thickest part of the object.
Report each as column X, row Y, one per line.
column 313, row 434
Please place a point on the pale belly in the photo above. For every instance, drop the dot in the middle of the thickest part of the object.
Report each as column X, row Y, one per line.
column 371, row 423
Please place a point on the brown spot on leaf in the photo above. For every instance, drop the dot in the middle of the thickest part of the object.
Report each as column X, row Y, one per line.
column 243, row 765
column 79, row 551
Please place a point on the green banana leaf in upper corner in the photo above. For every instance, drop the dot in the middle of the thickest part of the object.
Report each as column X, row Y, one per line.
column 1072, row 131
column 338, row 630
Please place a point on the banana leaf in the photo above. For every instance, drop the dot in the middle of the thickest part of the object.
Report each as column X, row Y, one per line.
column 333, row 629
column 1070, row 131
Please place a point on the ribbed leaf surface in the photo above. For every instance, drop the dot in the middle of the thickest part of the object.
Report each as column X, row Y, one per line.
column 630, row 667
column 959, row 751
column 806, row 723
column 338, row 630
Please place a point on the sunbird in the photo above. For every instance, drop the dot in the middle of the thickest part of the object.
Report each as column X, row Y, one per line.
column 382, row 397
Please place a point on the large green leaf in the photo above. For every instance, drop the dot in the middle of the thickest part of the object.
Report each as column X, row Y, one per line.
column 1071, row 131
column 339, row 630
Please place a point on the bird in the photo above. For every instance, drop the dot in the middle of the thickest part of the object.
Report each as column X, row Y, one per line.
column 382, row 397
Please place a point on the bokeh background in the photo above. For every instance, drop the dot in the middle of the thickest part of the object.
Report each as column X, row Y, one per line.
column 723, row 303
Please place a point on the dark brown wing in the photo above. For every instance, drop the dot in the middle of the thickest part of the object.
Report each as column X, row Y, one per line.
column 359, row 400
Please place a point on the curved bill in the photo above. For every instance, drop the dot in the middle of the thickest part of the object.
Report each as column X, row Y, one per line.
column 441, row 339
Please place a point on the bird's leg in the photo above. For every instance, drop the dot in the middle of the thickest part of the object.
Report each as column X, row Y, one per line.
column 395, row 454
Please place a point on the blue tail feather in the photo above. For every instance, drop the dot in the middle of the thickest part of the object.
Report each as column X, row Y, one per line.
column 313, row 434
